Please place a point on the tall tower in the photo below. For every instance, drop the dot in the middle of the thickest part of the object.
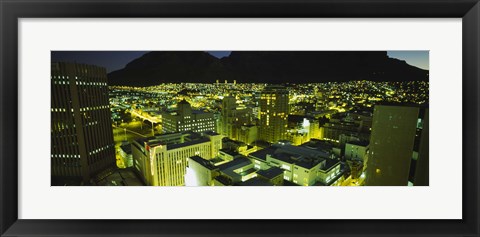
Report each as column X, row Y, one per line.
column 81, row 127
column 229, row 107
column 273, row 113
column 392, row 142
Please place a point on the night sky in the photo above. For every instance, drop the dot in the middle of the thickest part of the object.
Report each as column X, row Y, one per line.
column 415, row 58
column 114, row 60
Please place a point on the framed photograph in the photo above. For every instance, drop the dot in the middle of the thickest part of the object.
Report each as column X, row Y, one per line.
column 312, row 116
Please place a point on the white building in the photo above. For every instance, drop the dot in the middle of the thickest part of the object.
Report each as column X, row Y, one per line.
column 162, row 160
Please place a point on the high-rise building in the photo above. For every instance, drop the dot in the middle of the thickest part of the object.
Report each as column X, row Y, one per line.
column 229, row 108
column 81, row 127
column 237, row 122
column 273, row 113
column 421, row 175
column 186, row 119
column 162, row 160
column 395, row 134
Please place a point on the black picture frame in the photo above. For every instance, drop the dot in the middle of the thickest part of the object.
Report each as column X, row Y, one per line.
column 12, row 10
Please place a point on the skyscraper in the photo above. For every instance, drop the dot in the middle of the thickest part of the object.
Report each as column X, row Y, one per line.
column 392, row 143
column 81, row 128
column 229, row 107
column 273, row 113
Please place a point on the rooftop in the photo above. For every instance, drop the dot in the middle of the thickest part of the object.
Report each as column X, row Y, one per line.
column 262, row 154
column 235, row 164
column 308, row 163
column 229, row 151
column 270, row 173
column 173, row 140
column 306, row 151
column 330, row 163
column 205, row 163
column 284, row 157
column 188, row 143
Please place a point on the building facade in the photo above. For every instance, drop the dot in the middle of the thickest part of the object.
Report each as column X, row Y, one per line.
column 273, row 113
column 186, row 119
column 229, row 108
column 81, row 128
column 356, row 150
column 392, row 144
column 200, row 172
column 162, row 160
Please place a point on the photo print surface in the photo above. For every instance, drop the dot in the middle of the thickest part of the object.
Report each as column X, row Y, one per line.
column 239, row 118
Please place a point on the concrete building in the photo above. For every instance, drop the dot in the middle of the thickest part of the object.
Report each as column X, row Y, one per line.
column 238, row 170
column 81, row 128
column 329, row 172
column 248, row 134
column 306, row 165
column 394, row 136
column 259, row 158
column 421, row 174
column 228, row 115
column 228, row 154
column 162, row 160
column 237, row 122
column 186, row 119
column 126, row 154
column 273, row 113
column 356, row 150
column 274, row 166
column 200, row 172
column 273, row 175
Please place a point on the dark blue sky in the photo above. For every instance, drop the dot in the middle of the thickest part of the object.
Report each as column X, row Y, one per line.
column 111, row 60
column 418, row 59
column 114, row 60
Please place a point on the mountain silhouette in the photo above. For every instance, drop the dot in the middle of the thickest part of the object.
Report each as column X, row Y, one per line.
column 274, row 67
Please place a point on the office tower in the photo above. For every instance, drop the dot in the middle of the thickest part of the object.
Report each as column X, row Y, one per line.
column 186, row 119
column 421, row 175
column 162, row 160
column 229, row 108
column 81, row 128
column 392, row 142
column 273, row 113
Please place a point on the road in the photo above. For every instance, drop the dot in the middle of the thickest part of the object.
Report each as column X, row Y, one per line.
column 151, row 119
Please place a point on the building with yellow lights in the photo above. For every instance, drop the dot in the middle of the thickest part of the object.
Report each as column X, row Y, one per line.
column 237, row 122
column 273, row 113
column 306, row 165
column 81, row 127
column 186, row 119
column 162, row 160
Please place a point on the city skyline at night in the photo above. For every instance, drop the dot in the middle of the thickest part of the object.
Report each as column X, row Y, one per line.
column 240, row 118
